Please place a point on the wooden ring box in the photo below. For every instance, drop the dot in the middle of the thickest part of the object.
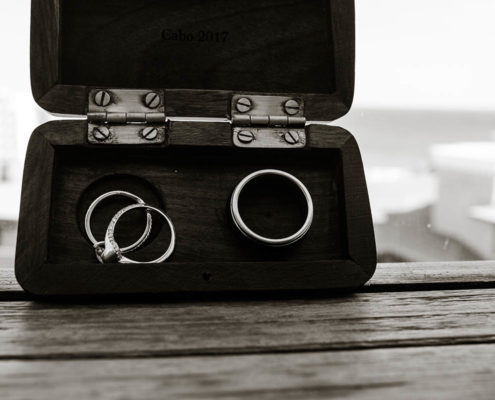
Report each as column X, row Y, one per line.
column 208, row 55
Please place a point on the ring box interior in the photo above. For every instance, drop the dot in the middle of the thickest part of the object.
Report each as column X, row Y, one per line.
column 200, row 58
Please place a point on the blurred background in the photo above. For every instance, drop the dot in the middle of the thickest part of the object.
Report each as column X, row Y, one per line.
column 424, row 116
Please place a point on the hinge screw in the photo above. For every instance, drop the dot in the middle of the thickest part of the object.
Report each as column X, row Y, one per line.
column 102, row 98
column 101, row 133
column 245, row 137
column 149, row 133
column 244, row 105
column 292, row 107
column 152, row 100
column 291, row 137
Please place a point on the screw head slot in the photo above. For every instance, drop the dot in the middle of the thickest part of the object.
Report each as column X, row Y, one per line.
column 244, row 105
column 152, row 100
column 102, row 98
column 101, row 133
column 291, row 137
column 149, row 133
column 245, row 136
column 292, row 107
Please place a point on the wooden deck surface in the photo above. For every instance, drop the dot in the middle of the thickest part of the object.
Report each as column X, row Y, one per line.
column 416, row 331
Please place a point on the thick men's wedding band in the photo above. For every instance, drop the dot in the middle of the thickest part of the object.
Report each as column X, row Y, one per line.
column 241, row 225
column 138, row 200
column 111, row 251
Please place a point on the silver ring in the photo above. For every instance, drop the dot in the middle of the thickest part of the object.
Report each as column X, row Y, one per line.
column 246, row 231
column 109, row 251
column 89, row 213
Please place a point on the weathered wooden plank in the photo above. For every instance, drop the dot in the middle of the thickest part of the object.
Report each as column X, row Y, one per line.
column 434, row 275
column 454, row 372
column 407, row 276
column 7, row 279
column 364, row 320
column 9, row 288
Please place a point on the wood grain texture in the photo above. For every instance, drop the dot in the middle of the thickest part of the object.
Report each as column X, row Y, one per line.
column 7, row 278
column 193, row 176
column 388, row 277
column 35, row 208
column 432, row 275
column 45, row 24
column 195, row 186
column 9, row 288
column 193, row 44
column 456, row 373
column 291, row 47
column 374, row 320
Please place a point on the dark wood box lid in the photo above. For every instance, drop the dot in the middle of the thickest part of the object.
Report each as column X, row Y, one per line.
column 201, row 52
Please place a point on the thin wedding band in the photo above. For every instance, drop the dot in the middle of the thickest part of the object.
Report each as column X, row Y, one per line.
column 245, row 230
column 89, row 213
column 112, row 249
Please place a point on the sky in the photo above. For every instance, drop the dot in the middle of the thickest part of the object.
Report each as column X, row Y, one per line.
column 435, row 54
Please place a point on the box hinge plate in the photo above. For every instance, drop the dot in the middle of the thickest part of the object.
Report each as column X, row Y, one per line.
column 268, row 122
column 125, row 116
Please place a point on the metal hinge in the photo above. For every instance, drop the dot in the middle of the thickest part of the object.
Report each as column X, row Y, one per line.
column 268, row 122
column 122, row 116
